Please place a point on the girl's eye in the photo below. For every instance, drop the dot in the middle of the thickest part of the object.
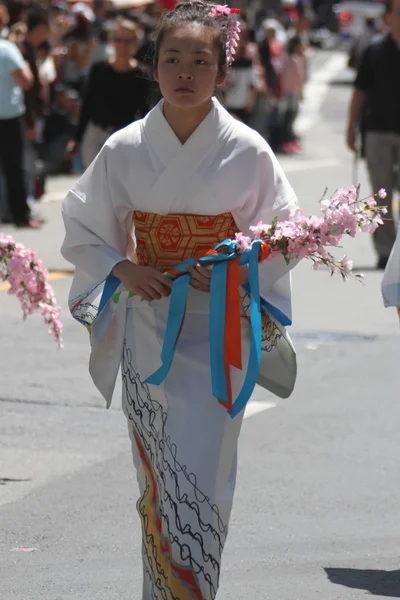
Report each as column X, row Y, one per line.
column 200, row 62
column 171, row 61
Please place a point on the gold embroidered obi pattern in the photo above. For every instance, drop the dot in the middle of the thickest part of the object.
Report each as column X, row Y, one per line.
column 163, row 241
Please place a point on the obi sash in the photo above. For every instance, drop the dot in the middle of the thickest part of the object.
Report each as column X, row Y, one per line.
column 163, row 241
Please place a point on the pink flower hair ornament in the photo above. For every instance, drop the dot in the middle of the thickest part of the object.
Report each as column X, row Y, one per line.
column 233, row 29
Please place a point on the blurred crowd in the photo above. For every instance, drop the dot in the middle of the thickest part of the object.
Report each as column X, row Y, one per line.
column 88, row 73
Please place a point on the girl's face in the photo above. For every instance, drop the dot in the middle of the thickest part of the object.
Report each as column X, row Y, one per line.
column 125, row 43
column 187, row 69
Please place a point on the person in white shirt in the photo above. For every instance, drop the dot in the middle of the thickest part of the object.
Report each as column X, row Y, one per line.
column 15, row 78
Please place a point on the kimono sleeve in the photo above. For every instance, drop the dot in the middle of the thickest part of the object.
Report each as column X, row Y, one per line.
column 271, row 196
column 95, row 236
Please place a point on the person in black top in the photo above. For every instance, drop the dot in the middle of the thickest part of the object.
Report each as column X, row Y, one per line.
column 376, row 97
column 117, row 93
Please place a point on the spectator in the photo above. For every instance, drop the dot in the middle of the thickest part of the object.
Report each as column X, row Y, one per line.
column 116, row 94
column 47, row 70
column 362, row 42
column 4, row 20
column 303, row 26
column 241, row 82
column 15, row 76
column 270, row 50
column 377, row 95
column 62, row 22
column 258, row 118
column 60, row 127
column 38, row 31
column 104, row 50
column 292, row 83
column 80, row 48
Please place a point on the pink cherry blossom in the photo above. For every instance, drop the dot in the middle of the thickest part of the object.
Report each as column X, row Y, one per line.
column 300, row 236
column 22, row 269
column 243, row 242
column 219, row 9
column 257, row 230
column 382, row 194
column 346, row 265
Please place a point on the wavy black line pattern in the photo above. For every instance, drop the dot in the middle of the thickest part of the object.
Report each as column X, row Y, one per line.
column 86, row 313
column 197, row 544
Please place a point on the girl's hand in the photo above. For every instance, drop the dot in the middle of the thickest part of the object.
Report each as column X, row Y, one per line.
column 201, row 277
column 146, row 282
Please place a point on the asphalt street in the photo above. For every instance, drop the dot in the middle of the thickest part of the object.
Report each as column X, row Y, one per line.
column 316, row 507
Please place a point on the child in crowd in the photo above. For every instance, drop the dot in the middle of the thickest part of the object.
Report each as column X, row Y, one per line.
column 292, row 84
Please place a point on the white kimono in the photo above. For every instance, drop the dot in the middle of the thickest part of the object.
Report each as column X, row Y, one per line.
column 184, row 443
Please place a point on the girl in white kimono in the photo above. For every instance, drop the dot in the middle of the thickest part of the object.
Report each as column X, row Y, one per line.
column 187, row 176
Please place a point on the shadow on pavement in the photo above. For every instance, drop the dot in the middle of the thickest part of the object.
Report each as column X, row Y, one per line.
column 376, row 582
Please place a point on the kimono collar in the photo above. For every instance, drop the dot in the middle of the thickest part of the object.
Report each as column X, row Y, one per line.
column 164, row 141
column 180, row 177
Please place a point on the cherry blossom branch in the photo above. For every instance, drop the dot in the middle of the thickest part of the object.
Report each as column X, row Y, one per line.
column 23, row 270
column 309, row 237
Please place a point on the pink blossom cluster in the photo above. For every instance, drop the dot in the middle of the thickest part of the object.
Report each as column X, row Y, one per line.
column 305, row 236
column 233, row 29
column 233, row 39
column 23, row 270
column 219, row 9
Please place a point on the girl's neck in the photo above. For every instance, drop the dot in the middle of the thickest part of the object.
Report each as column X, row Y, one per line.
column 185, row 122
column 123, row 64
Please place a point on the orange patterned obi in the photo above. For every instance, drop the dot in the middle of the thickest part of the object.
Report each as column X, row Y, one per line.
column 163, row 241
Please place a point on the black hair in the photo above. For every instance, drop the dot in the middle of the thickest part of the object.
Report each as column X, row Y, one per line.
column 293, row 43
column 36, row 17
column 195, row 12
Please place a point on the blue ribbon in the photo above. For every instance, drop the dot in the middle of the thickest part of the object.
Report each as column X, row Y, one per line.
column 253, row 367
column 217, row 330
column 176, row 314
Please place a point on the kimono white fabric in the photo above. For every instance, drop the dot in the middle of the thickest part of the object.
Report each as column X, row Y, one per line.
column 391, row 277
column 184, row 443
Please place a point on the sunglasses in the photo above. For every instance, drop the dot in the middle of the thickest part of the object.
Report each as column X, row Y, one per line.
column 123, row 41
